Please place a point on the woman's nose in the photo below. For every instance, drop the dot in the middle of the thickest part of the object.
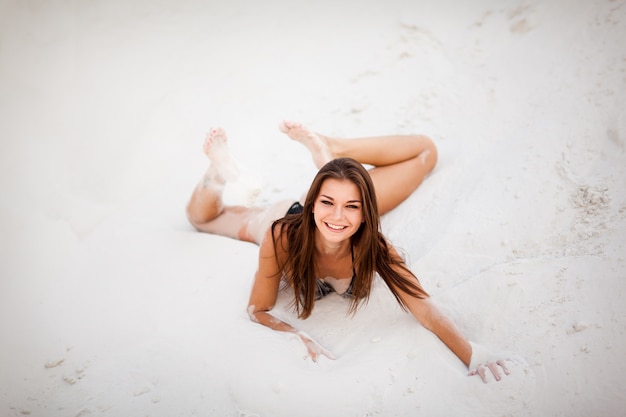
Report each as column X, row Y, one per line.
column 338, row 212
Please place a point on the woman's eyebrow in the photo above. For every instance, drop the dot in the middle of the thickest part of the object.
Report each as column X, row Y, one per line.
column 330, row 198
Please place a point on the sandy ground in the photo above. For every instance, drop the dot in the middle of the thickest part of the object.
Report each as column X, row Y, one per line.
column 111, row 305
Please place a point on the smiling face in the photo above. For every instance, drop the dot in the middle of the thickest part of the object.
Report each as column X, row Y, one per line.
column 338, row 210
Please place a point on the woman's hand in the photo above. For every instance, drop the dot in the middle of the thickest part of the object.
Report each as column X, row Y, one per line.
column 483, row 360
column 481, row 370
column 313, row 348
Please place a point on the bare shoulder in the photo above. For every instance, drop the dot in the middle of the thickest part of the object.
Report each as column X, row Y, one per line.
column 275, row 242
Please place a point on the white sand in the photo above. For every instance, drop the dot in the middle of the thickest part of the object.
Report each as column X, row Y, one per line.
column 111, row 305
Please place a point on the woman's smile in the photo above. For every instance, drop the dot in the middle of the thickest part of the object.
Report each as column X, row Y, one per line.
column 338, row 210
column 335, row 226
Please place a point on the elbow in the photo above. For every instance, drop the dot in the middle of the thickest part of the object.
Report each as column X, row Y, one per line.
column 252, row 314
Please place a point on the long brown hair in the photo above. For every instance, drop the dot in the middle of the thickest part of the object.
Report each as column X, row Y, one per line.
column 370, row 248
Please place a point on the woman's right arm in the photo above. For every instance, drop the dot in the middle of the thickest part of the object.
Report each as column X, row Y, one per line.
column 265, row 292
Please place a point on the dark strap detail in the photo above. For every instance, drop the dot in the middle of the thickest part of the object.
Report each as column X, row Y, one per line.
column 296, row 208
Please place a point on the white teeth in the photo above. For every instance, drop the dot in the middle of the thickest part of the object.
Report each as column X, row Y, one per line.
column 335, row 227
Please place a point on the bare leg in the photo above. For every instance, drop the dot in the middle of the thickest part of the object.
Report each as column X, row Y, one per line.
column 248, row 224
column 206, row 210
column 401, row 162
column 206, row 201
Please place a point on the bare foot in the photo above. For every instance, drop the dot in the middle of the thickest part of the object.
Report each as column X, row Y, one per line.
column 222, row 163
column 316, row 144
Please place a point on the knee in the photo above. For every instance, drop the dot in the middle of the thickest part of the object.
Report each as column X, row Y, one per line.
column 193, row 217
column 199, row 214
column 428, row 157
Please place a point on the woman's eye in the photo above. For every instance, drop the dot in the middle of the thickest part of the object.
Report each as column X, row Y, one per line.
column 326, row 202
column 353, row 207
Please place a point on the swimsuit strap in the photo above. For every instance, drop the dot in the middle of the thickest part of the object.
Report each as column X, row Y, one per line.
column 296, row 208
column 348, row 292
column 323, row 288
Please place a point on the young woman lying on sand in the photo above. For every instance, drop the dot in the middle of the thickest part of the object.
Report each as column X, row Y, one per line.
column 332, row 241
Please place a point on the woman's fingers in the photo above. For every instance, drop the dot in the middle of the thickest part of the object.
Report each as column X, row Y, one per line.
column 328, row 354
column 315, row 349
column 503, row 366
column 481, row 370
column 494, row 370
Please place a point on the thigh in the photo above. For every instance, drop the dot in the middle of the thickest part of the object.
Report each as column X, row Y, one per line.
column 229, row 222
column 248, row 224
column 257, row 225
column 394, row 183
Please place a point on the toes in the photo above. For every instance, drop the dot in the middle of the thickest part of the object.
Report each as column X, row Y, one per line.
column 286, row 126
column 208, row 140
column 218, row 134
column 215, row 136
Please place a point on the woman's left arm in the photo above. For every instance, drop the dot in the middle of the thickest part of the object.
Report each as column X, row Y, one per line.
column 427, row 313
column 429, row 316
